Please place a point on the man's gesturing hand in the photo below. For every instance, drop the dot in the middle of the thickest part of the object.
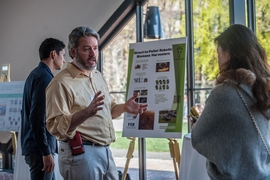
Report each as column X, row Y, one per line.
column 131, row 106
column 96, row 104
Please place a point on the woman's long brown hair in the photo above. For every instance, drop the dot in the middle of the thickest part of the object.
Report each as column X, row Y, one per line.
column 246, row 52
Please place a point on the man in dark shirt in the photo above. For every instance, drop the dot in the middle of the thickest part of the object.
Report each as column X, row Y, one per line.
column 38, row 145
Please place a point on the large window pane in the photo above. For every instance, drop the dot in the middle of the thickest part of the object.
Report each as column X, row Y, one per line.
column 115, row 55
column 115, row 63
column 263, row 24
column 200, row 97
column 172, row 14
column 210, row 18
column 115, row 58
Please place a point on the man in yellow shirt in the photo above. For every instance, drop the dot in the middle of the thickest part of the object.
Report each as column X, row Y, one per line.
column 78, row 100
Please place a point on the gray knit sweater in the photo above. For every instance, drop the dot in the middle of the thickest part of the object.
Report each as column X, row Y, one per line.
column 227, row 137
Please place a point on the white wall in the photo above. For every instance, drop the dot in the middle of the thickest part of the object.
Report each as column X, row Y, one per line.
column 24, row 24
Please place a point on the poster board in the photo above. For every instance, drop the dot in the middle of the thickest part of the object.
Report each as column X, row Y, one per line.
column 157, row 71
column 10, row 105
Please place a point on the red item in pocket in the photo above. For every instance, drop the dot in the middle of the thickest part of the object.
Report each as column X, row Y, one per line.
column 76, row 144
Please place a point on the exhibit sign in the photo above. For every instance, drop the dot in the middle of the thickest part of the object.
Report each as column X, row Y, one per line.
column 156, row 71
column 10, row 105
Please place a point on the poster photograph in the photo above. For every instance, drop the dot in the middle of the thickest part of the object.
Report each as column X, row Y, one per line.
column 156, row 71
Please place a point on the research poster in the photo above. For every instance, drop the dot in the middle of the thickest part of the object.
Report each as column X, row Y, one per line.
column 10, row 105
column 156, row 71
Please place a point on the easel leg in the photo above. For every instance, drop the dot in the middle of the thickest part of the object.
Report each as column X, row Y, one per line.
column 173, row 151
column 129, row 156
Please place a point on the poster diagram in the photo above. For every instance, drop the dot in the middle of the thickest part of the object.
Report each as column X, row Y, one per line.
column 10, row 105
column 157, row 72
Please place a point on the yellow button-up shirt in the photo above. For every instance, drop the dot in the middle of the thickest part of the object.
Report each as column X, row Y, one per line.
column 69, row 92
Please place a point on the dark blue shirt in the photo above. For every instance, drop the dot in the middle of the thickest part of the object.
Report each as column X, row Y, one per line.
column 34, row 135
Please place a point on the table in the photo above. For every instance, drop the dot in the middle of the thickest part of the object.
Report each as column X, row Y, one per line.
column 192, row 164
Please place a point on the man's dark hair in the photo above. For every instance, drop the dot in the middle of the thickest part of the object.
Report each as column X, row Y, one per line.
column 48, row 45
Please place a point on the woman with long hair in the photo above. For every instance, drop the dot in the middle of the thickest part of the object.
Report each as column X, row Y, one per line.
column 233, row 131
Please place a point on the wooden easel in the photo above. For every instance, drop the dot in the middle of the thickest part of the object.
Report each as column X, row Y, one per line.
column 5, row 73
column 175, row 155
column 129, row 156
column 174, row 151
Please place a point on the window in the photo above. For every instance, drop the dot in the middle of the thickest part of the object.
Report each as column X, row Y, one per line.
column 115, row 56
column 263, row 24
column 210, row 19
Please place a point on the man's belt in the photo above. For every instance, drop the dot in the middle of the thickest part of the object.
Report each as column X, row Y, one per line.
column 84, row 142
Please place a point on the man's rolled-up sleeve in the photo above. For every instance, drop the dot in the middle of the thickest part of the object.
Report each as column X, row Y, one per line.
column 58, row 111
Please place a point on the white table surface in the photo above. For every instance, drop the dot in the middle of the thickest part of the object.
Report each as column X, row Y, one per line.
column 21, row 169
column 192, row 164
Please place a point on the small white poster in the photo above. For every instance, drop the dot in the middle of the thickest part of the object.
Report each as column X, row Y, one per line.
column 11, row 105
column 156, row 71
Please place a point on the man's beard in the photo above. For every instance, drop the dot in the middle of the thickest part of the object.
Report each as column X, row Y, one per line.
column 82, row 64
